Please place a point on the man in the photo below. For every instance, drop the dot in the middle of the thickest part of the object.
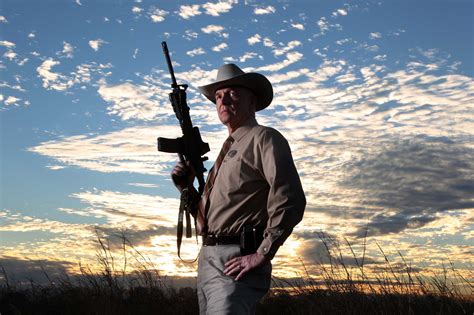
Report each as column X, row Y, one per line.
column 253, row 189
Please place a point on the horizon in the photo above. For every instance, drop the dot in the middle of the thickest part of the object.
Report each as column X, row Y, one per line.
column 376, row 100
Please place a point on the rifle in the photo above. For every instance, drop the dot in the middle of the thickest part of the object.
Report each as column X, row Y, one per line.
column 189, row 147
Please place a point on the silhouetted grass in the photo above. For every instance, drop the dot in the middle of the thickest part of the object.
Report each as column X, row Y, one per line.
column 341, row 289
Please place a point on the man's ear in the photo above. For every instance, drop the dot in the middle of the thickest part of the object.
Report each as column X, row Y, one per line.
column 254, row 101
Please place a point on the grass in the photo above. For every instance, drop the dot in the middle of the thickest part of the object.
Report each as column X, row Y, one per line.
column 342, row 288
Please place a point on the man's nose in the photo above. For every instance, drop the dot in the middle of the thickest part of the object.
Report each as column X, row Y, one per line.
column 226, row 99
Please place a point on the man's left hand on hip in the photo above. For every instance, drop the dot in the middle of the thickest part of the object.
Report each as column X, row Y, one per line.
column 241, row 265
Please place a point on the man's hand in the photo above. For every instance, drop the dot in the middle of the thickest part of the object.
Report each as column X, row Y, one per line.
column 183, row 175
column 241, row 265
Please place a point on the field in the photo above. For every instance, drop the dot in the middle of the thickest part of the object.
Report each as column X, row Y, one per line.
column 342, row 289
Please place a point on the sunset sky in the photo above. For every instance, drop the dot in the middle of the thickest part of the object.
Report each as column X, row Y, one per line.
column 375, row 97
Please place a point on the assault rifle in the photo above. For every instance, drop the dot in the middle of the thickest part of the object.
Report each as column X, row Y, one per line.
column 189, row 147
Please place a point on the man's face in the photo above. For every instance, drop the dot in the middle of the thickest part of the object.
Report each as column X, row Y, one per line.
column 235, row 105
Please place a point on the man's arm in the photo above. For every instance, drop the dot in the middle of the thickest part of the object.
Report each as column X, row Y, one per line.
column 286, row 200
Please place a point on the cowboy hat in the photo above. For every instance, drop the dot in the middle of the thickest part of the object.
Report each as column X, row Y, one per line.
column 232, row 75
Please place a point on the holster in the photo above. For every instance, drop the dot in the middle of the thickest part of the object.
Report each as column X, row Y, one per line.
column 250, row 239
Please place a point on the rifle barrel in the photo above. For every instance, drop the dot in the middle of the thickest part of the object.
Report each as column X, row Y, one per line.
column 170, row 65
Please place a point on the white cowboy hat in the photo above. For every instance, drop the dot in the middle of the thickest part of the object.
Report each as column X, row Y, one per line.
column 231, row 75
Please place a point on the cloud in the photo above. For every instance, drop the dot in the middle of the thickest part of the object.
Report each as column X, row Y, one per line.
column 67, row 52
column 144, row 185
column 130, row 150
column 53, row 80
column 375, row 35
column 132, row 101
column 7, row 44
column 190, row 35
column 380, row 57
column 60, row 82
column 78, row 2
column 220, row 47
column 215, row 29
column 254, row 39
column 95, row 44
column 290, row 46
column 10, row 54
column 243, row 58
column 12, row 101
column 188, row 11
column 196, row 52
column 137, row 10
column 157, row 15
column 129, row 209
column 417, row 177
column 339, row 12
column 324, row 26
column 298, row 26
column 291, row 57
column 264, row 10
column 216, row 9
column 3, row 19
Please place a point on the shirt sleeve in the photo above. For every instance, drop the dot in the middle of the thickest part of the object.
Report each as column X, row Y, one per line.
column 286, row 200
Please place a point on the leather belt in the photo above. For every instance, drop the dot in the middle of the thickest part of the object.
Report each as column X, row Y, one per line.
column 213, row 240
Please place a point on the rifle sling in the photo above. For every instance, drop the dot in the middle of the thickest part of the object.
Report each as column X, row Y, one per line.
column 184, row 209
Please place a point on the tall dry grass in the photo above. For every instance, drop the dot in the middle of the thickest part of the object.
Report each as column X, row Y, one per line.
column 127, row 282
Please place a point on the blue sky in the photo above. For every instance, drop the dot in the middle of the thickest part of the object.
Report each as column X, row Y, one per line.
column 375, row 97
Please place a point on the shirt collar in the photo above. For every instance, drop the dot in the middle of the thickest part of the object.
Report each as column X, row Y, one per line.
column 242, row 130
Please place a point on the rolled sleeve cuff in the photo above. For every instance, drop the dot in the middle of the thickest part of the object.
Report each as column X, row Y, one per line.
column 267, row 249
column 270, row 244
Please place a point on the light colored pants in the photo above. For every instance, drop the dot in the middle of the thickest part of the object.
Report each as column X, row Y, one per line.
column 221, row 294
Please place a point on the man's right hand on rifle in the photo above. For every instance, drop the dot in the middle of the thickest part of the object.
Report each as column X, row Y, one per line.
column 183, row 175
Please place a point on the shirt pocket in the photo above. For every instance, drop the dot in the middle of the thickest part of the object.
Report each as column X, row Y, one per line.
column 229, row 175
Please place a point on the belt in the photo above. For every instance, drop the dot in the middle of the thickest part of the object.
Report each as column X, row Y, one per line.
column 213, row 240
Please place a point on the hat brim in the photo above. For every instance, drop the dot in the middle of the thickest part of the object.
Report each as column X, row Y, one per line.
column 259, row 84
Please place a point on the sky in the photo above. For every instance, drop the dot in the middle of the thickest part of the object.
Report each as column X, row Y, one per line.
column 376, row 99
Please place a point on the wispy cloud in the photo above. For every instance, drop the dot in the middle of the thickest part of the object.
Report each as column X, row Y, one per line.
column 264, row 10
column 220, row 47
column 298, row 26
column 217, row 29
column 243, row 58
column 53, row 80
column 216, row 9
column 196, row 52
column 131, row 101
column 61, row 82
column 339, row 12
column 375, row 35
column 188, row 11
column 254, row 39
column 67, row 52
column 291, row 58
column 7, row 44
column 137, row 10
column 95, row 44
column 157, row 15
column 190, row 35
column 286, row 48
column 12, row 101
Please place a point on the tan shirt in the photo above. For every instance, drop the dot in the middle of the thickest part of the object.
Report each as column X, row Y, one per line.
column 257, row 184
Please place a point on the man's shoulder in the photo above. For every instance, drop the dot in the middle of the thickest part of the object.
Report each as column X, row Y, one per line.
column 266, row 132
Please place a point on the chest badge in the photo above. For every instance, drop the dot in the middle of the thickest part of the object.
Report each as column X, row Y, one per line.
column 232, row 153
